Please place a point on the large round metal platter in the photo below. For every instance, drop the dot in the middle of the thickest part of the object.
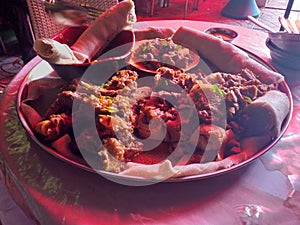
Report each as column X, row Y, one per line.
column 43, row 69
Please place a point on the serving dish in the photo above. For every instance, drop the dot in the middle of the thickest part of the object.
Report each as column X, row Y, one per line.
column 225, row 34
column 120, row 47
column 286, row 41
column 148, row 55
column 283, row 57
column 35, row 76
column 289, row 42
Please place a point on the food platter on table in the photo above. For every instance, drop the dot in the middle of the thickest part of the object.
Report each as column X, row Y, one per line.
column 74, row 160
column 77, row 161
column 158, row 163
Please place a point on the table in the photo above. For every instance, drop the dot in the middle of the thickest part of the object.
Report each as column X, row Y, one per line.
column 52, row 192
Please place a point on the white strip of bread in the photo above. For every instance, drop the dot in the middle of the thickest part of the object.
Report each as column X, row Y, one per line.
column 102, row 31
column 223, row 55
column 54, row 52
column 153, row 32
column 266, row 114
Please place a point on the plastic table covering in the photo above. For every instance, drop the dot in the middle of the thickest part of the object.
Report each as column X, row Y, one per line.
column 50, row 191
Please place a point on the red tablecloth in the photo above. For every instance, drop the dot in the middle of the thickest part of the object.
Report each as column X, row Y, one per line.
column 51, row 191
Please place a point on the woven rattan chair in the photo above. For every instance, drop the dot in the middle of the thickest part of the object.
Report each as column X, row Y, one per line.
column 44, row 26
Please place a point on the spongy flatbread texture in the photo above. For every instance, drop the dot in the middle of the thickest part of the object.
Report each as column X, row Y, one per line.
column 102, row 31
column 266, row 114
column 227, row 57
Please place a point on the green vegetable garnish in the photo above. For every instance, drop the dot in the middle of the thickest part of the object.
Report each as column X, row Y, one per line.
column 218, row 90
column 248, row 99
column 112, row 109
column 103, row 85
column 86, row 85
column 178, row 47
column 164, row 43
column 145, row 48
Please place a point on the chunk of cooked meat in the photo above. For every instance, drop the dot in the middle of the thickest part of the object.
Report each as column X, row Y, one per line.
column 55, row 126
